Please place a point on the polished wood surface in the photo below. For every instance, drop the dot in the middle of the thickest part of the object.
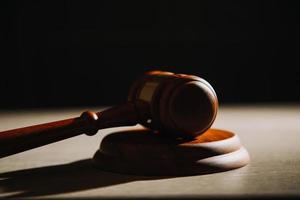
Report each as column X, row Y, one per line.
column 179, row 104
column 22, row 139
column 142, row 152
column 184, row 105
column 63, row 170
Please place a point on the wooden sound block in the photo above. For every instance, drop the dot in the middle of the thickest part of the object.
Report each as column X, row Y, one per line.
column 143, row 152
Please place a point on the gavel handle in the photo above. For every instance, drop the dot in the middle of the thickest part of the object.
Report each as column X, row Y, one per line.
column 22, row 139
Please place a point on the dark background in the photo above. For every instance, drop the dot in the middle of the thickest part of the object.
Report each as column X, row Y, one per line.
column 78, row 53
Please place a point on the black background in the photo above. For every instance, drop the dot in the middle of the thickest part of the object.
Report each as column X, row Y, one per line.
column 78, row 53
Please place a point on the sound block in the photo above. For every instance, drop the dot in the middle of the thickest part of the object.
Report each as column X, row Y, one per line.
column 142, row 152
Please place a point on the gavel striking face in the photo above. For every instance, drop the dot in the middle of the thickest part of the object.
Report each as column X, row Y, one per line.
column 176, row 104
column 173, row 104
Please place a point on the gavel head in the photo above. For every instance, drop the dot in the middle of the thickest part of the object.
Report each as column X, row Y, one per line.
column 178, row 104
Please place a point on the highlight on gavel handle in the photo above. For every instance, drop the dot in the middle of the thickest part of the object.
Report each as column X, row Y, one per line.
column 22, row 139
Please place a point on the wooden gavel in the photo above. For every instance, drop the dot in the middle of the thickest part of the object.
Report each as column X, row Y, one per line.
column 176, row 104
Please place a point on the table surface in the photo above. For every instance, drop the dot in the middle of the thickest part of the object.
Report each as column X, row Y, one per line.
column 271, row 134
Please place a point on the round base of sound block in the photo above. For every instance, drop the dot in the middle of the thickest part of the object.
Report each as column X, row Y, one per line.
column 142, row 152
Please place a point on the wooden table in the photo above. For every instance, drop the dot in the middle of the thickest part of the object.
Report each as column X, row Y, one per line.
column 271, row 133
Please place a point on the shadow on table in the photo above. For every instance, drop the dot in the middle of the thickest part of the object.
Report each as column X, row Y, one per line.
column 72, row 177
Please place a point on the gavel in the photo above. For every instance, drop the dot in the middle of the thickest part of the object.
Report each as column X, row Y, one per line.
column 177, row 105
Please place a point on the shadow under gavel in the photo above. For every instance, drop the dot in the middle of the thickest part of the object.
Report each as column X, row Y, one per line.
column 176, row 104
